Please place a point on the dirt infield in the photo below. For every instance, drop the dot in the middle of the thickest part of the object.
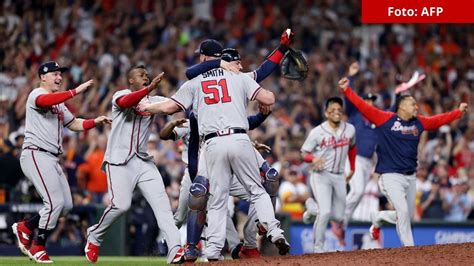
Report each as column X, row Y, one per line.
column 452, row 254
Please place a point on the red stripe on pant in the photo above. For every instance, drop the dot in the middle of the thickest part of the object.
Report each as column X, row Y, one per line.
column 47, row 192
column 111, row 201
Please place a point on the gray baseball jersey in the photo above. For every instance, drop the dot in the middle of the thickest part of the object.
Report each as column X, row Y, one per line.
column 44, row 127
column 323, row 142
column 130, row 131
column 212, row 93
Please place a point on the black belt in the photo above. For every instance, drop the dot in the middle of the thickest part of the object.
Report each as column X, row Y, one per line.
column 408, row 173
column 225, row 132
column 41, row 149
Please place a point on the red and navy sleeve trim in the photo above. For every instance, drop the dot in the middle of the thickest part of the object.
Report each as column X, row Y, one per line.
column 179, row 104
column 254, row 95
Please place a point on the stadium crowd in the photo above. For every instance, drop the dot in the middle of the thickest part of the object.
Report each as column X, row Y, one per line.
column 101, row 40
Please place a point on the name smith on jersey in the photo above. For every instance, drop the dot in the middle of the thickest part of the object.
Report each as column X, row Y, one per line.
column 216, row 72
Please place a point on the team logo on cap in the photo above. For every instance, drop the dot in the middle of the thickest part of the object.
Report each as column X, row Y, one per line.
column 45, row 69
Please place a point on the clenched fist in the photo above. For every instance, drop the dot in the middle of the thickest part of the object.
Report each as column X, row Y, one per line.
column 343, row 83
column 286, row 37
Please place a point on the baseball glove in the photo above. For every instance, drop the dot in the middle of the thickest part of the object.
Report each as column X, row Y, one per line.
column 294, row 66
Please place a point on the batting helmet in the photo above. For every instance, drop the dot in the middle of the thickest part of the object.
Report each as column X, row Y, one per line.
column 230, row 54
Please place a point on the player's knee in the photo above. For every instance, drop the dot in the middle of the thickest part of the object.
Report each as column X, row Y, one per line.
column 198, row 193
column 58, row 205
column 122, row 207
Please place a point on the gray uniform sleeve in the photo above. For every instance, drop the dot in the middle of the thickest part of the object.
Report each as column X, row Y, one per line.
column 184, row 95
column 119, row 94
column 32, row 98
column 251, row 87
column 311, row 142
column 68, row 116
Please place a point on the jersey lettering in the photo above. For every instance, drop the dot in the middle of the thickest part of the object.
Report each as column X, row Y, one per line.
column 211, row 88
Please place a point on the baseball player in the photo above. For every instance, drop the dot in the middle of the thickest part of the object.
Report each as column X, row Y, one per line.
column 326, row 148
column 219, row 99
column 366, row 141
column 127, row 166
column 398, row 137
column 46, row 117
column 269, row 175
column 174, row 130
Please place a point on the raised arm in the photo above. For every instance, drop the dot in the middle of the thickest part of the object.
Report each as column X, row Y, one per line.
column 132, row 99
column 373, row 114
column 274, row 59
column 434, row 122
column 196, row 70
column 50, row 99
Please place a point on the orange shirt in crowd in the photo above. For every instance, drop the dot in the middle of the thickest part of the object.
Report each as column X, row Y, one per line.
column 95, row 178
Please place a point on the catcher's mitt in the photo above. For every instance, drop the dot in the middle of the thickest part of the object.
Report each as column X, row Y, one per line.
column 294, row 65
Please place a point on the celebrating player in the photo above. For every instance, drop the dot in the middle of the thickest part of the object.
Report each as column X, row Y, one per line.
column 220, row 99
column 398, row 137
column 326, row 148
column 46, row 117
column 128, row 165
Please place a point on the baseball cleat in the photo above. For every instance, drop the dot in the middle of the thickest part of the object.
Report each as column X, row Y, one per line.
column 91, row 252
column 38, row 254
column 23, row 236
column 235, row 252
column 178, row 257
column 283, row 246
column 374, row 232
column 191, row 253
column 249, row 253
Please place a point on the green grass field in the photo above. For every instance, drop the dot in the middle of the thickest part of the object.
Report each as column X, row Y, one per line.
column 75, row 260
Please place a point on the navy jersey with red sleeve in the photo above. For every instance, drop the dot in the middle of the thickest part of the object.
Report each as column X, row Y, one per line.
column 398, row 139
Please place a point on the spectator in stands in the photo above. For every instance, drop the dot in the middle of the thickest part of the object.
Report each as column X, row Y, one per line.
column 431, row 203
column 293, row 193
column 456, row 203
column 90, row 174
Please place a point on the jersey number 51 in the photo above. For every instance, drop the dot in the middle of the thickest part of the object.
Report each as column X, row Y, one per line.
column 211, row 89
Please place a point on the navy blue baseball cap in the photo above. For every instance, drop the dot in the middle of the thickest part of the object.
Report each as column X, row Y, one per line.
column 50, row 66
column 230, row 54
column 370, row 96
column 210, row 47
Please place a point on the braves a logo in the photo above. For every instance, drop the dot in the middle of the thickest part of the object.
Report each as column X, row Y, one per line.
column 405, row 130
column 55, row 109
